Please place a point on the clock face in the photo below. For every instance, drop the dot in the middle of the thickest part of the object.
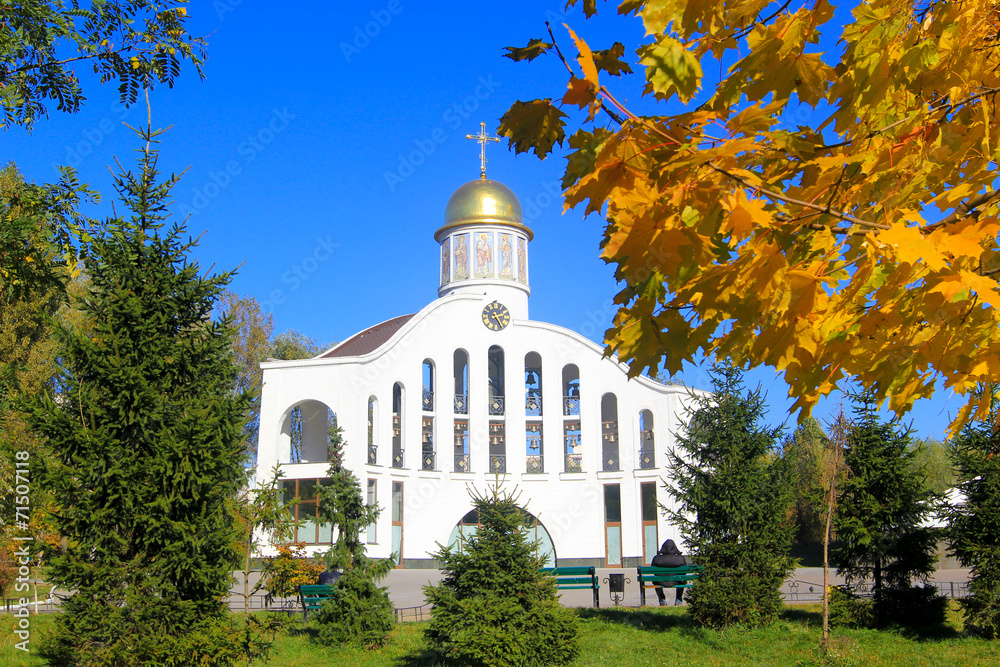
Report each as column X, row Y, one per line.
column 496, row 316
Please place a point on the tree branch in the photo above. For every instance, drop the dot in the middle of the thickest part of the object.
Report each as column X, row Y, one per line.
column 962, row 210
column 798, row 202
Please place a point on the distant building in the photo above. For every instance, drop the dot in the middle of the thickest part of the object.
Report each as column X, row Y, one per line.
column 469, row 388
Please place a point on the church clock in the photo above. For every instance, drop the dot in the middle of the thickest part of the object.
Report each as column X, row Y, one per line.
column 496, row 316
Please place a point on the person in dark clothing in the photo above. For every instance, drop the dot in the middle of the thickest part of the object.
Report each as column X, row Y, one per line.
column 329, row 577
column 669, row 556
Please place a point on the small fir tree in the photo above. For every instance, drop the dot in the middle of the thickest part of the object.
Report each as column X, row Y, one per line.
column 733, row 494
column 880, row 509
column 361, row 613
column 146, row 434
column 974, row 523
column 493, row 607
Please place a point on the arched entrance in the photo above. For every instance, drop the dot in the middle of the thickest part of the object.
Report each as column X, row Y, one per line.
column 534, row 531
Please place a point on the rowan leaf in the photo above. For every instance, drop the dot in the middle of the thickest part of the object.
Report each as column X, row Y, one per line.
column 671, row 69
column 535, row 125
column 535, row 48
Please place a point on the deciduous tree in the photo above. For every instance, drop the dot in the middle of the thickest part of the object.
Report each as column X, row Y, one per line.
column 251, row 345
column 137, row 42
column 817, row 197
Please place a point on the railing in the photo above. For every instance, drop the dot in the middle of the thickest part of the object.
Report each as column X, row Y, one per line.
column 427, row 462
column 571, row 405
column 610, row 462
column 461, row 404
column 462, row 463
column 647, row 459
column 397, row 458
column 496, row 405
column 372, row 455
column 796, row 590
column 533, row 464
column 498, row 464
column 428, row 400
column 574, row 463
column 533, row 405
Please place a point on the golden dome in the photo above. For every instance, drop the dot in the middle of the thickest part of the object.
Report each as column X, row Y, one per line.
column 483, row 201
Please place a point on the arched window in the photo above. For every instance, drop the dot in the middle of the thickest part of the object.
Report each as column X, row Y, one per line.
column 309, row 433
column 427, row 398
column 609, row 432
column 397, row 425
column 534, row 452
column 571, row 390
column 495, row 367
column 647, row 456
column 461, row 382
column 533, row 384
column 372, row 431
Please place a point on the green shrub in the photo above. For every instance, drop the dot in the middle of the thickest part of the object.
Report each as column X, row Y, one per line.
column 982, row 607
column 913, row 607
column 360, row 613
column 291, row 568
column 494, row 608
column 849, row 610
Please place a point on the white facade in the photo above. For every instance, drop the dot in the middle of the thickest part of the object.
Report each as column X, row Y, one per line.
column 469, row 387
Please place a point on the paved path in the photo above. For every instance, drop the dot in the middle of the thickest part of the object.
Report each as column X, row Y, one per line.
column 805, row 585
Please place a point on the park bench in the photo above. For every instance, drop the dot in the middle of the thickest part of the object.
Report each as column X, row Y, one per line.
column 674, row 577
column 574, row 578
column 312, row 597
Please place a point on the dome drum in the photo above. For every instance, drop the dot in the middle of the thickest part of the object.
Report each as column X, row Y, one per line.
column 484, row 239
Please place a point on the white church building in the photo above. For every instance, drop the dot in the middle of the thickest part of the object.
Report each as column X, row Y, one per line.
column 468, row 389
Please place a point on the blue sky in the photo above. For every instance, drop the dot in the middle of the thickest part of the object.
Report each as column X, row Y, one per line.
column 325, row 140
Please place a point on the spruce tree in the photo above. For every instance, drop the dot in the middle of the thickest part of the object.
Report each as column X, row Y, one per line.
column 733, row 495
column 880, row 509
column 494, row 608
column 361, row 613
column 146, row 435
column 974, row 523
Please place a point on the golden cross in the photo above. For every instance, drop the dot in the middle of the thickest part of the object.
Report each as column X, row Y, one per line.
column 482, row 138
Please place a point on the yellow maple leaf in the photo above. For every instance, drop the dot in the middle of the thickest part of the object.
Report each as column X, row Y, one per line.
column 912, row 247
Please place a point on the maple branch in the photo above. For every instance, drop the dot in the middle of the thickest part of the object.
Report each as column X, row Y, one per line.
column 962, row 210
column 746, row 31
column 602, row 89
column 798, row 202
column 942, row 106
column 559, row 52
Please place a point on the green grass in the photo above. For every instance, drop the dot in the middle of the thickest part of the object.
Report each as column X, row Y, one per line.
column 637, row 638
